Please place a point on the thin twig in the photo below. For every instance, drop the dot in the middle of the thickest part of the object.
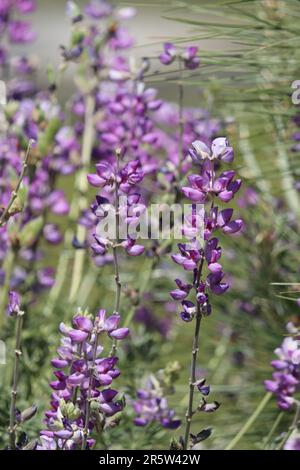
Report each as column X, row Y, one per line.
column 88, row 399
column 6, row 213
column 18, row 353
column 272, row 430
column 192, row 380
column 8, row 268
column 115, row 254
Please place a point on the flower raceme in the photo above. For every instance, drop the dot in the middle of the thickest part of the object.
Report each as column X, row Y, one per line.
column 82, row 395
column 286, row 376
column 151, row 406
column 126, row 178
column 116, row 181
column 207, row 186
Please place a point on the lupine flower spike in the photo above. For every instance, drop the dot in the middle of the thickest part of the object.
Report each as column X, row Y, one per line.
column 203, row 259
column 82, row 398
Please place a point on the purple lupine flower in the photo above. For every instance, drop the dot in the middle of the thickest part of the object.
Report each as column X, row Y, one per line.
column 23, row 65
column 203, row 258
column 20, row 32
column 119, row 39
column 286, row 377
column 120, row 185
column 219, row 150
column 81, row 371
column 146, row 317
column 293, row 443
column 14, row 303
column 188, row 56
column 191, row 61
column 202, row 387
column 98, row 9
column 45, row 277
column 52, row 234
column 25, row 6
column 204, row 187
column 151, row 406
column 249, row 198
column 169, row 54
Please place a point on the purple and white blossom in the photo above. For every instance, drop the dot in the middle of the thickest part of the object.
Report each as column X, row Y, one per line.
column 82, row 392
column 285, row 381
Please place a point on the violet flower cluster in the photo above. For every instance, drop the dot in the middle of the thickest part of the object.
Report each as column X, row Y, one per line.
column 12, row 27
column 41, row 195
column 127, row 115
column 119, row 186
column 206, row 186
column 152, row 406
column 82, row 395
column 31, row 115
column 188, row 56
column 286, row 376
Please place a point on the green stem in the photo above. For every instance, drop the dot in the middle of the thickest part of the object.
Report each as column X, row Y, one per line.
column 56, row 289
column 6, row 213
column 195, row 349
column 88, row 399
column 250, row 421
column 18, row 353
column 115, row 255
column 273, row 429
column 287, row 180
column 82, row 190
column 292, row 428
column 192, row 380
column 117, row 281
column 63, row 261
column 8, row 268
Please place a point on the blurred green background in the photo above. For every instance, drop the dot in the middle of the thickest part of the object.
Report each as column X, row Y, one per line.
column 250, row 57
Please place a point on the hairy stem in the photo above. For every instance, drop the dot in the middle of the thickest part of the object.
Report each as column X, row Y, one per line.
column 6, row 213
column 14, row 391
column 192, row 380
column 117, row 281
column 8, row 268
column 116, row 260
column 88, row 399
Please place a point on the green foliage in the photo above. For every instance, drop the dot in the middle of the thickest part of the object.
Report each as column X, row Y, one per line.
column 248, row 65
